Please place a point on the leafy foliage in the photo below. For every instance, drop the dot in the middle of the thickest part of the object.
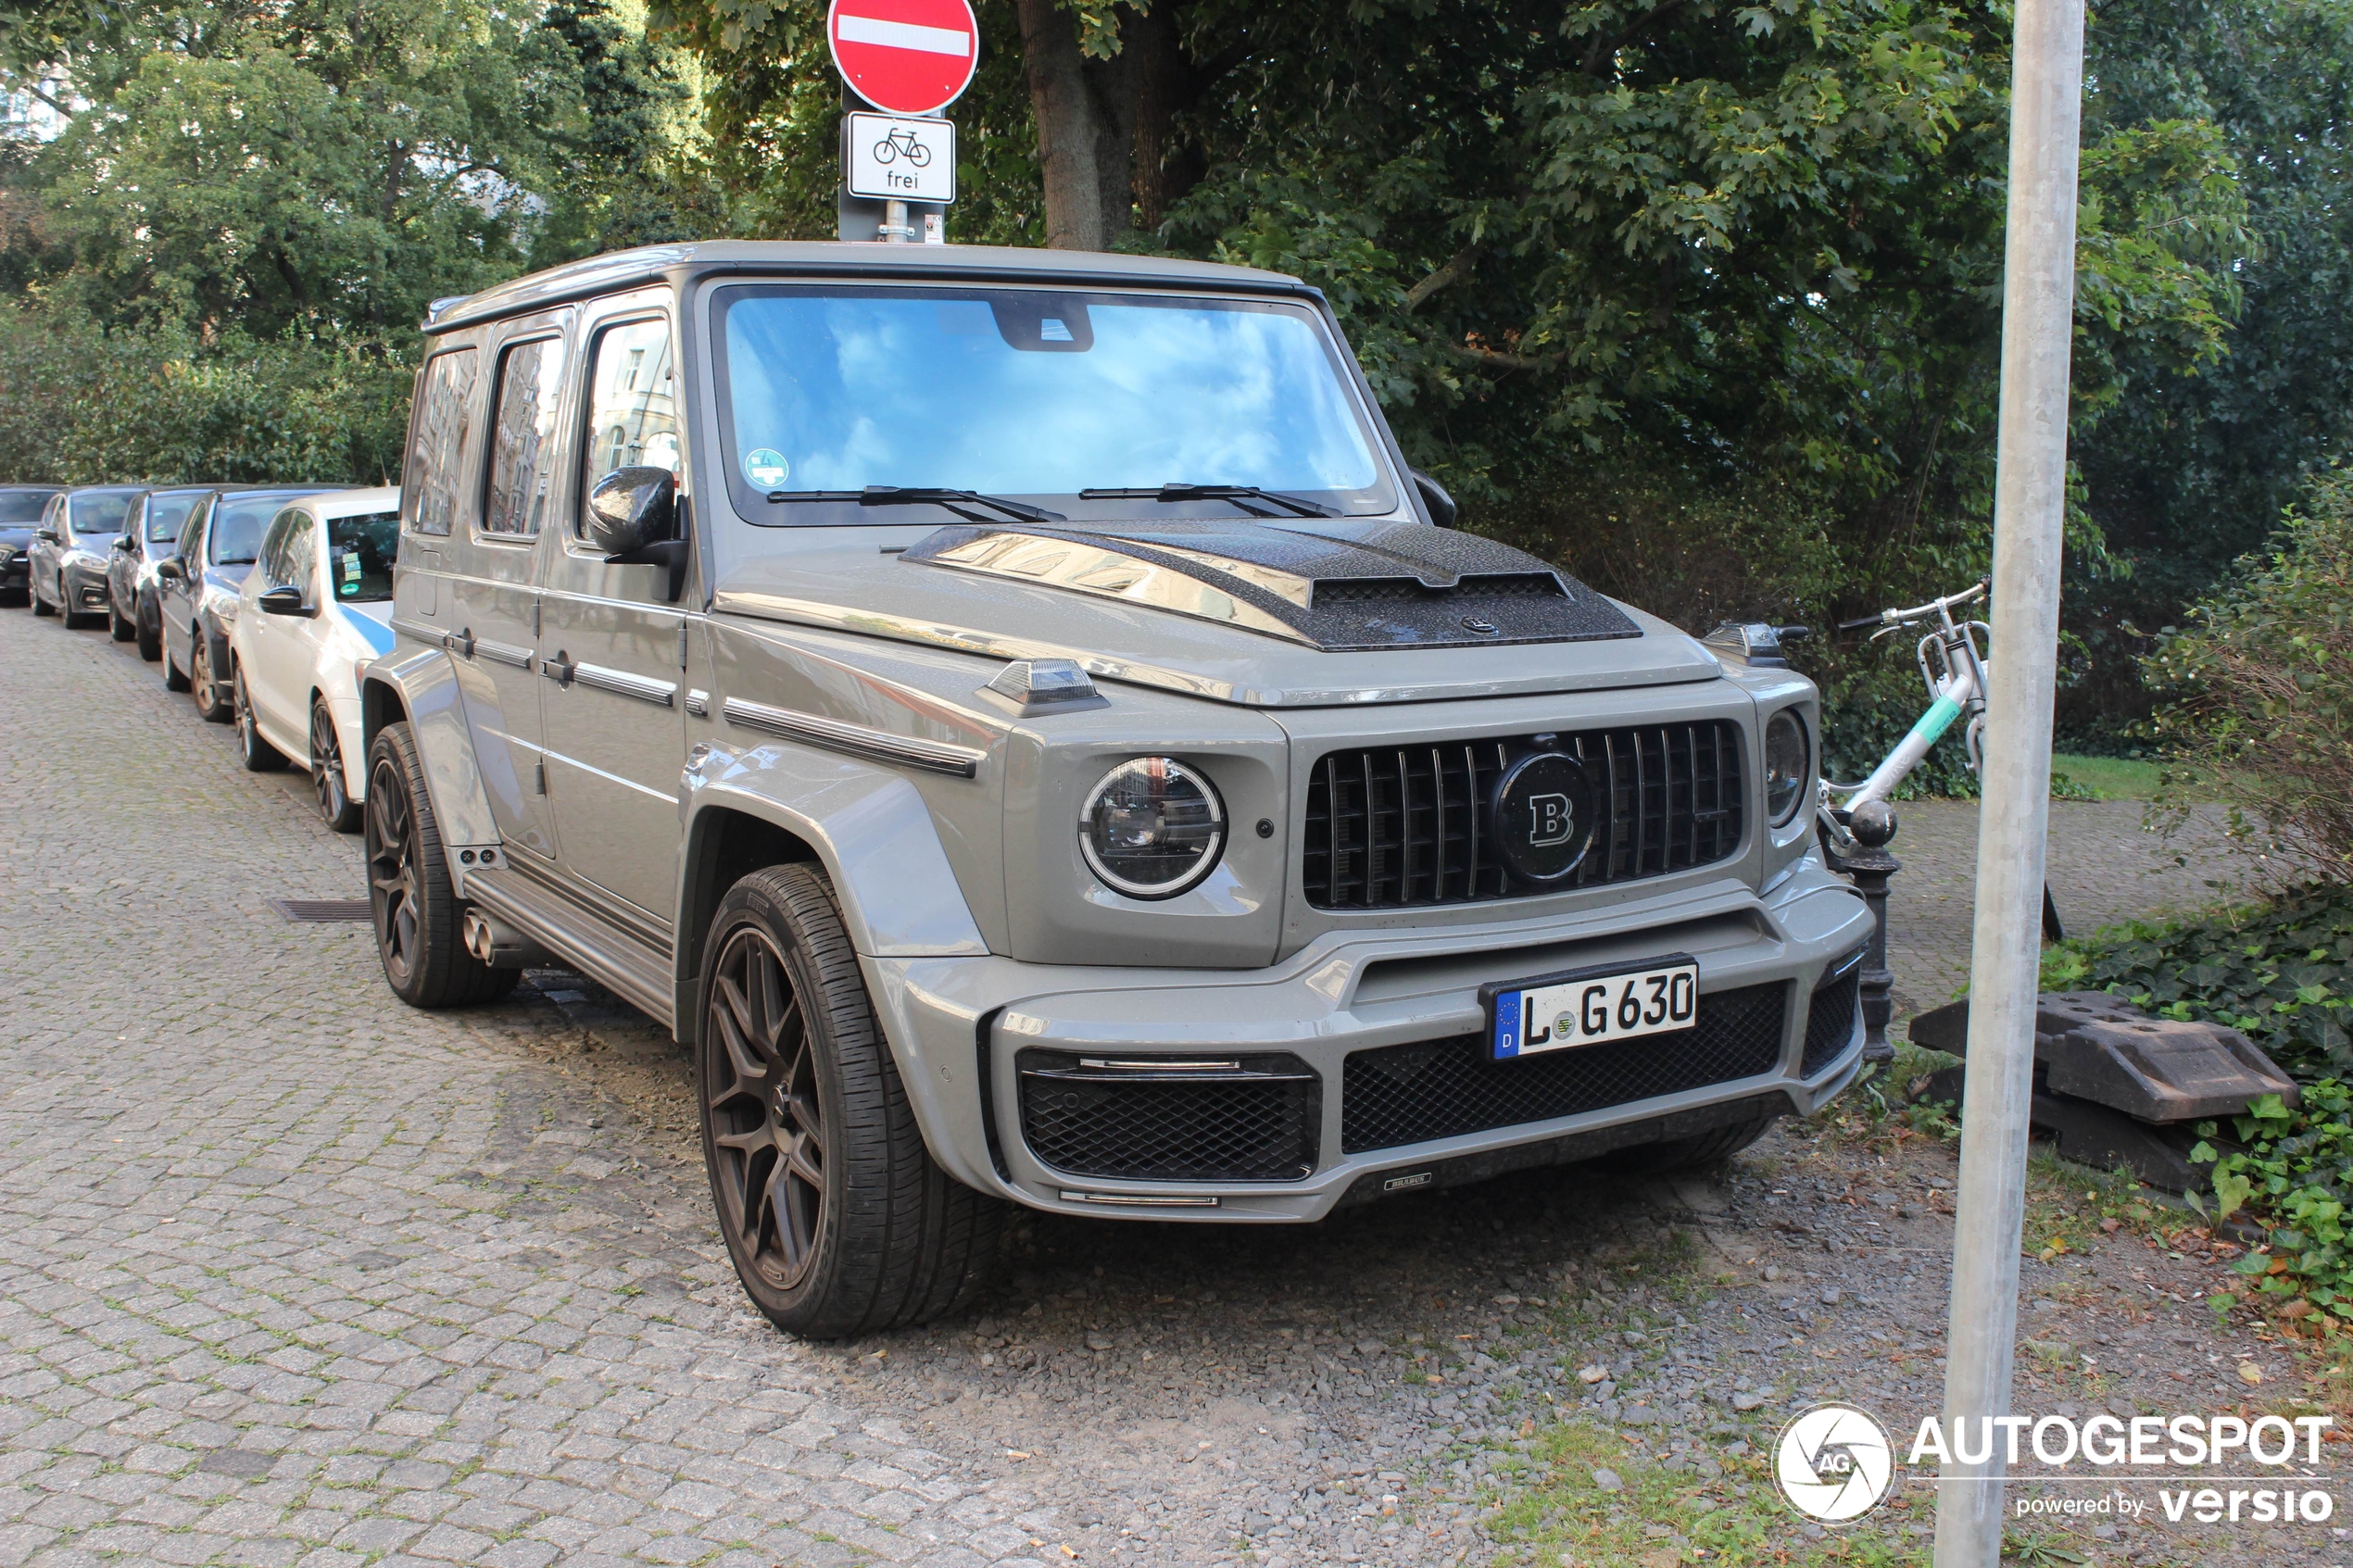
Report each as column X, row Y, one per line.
column 2262, row 709
column 2282, row 975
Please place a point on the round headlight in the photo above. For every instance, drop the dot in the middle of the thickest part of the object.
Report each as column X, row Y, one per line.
column 1152, row 828
column 1788, row 766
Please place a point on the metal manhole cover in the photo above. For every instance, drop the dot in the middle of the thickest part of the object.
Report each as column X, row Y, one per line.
column 322, row 910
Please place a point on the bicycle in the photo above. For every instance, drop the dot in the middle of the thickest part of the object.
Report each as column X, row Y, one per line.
column 902, row 142
column 1954, row 668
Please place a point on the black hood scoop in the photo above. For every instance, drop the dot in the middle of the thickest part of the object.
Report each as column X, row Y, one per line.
column 1393, row 586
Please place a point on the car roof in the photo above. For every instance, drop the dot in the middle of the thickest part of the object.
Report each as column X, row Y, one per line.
column 838, row 258
column 106, row 489
column 37, row 489
column 353, row 503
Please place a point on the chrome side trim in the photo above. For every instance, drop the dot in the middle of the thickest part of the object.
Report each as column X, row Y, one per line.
column 697, row 702
column 855, row 740
column 626, row 684
column 642, row 926
column 419, row 630
column 643, row 984
column 505, row 653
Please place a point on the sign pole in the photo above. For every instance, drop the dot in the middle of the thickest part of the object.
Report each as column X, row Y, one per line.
column 2030, row 502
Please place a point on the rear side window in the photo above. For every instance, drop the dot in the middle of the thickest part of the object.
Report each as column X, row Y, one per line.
column 359, row 555
column 271, row 561
column 522, row 437
column 438, row 441
column 190, row 535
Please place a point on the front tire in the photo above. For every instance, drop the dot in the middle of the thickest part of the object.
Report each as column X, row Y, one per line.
column 259, row 756
column 337, row 808
column 203, row 686
column 173, row 680
column 119, row 627
column 150, row 635
column 416, row 909
column 70, row 618
column 40, row 605
column 838, row 1220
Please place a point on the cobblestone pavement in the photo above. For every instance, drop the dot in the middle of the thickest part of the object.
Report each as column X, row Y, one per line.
column 290, row 1274
column 2106, row 865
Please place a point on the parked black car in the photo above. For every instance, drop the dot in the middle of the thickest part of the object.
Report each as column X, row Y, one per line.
column 20, row 509
column 196, row 588
column 71, row 547
column 150, row 538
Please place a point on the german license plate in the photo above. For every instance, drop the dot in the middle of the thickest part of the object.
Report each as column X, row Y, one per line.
column 1587, row 1007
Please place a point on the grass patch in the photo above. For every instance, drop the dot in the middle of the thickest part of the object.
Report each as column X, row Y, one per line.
column 2105, row 778
column 1714, row 1502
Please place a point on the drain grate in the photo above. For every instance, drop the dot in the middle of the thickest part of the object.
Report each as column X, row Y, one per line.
column 321, row 910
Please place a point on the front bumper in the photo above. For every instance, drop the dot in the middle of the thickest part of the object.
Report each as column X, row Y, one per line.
column 961, row 1026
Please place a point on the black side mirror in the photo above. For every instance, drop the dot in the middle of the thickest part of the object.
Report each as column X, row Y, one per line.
column 285, row 600
column 630, row 508
column 126, row 543
column 633, row 518
column 1440, row 504
column 47, row 536
column 169, row 571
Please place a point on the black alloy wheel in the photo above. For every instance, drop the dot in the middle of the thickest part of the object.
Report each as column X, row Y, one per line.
column 416, row 909
column 336, row 805
column 150, row 630
column 203, row 686
column 259, row 756
column 838, row 1220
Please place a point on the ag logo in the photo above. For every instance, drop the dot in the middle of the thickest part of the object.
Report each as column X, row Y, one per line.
column 1834, row 1463
column 1544, row 816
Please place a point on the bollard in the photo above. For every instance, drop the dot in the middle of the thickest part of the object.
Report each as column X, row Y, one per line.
column 1865, row 861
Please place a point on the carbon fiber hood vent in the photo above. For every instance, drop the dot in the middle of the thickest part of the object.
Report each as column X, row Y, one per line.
column 1332, row 587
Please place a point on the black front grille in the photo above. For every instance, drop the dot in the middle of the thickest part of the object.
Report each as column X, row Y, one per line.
column 1442, row 1088
column 1244, row 1119
column 1829, row 1022
column 1400, row 826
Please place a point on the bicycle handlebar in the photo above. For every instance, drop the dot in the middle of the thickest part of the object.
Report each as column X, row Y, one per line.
column 1919, row 612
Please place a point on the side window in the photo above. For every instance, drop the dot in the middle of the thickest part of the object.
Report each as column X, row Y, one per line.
column 437, row 441
column 273, row 558
column 633, row 412
column 522, row 437
column 193, row 536
column 302, row 554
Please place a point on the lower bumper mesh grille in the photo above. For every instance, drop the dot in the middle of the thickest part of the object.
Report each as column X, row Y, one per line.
column 1829, row 1022
column 1401, row 1094
column 1253, row 1119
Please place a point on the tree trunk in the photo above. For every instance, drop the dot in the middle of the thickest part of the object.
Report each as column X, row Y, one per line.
column 1086, row 112
column 1163, row 85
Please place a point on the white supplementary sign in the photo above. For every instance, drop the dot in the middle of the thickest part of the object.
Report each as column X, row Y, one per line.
column 901, row 160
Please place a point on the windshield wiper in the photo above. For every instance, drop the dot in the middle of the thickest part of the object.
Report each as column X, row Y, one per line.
column 1240, row 495
column 923, row 494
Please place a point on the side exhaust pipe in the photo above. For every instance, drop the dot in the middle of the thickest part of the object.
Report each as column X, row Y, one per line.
column 501, row 946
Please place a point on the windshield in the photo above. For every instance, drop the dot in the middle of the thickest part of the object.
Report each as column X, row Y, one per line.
column 1036, row 396
column 238, row 520
column 359, row 555
column 168, row 514
column 23, row 508
column 100, row 512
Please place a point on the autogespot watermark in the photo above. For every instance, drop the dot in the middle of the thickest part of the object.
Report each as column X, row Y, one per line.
column 1834, row 1464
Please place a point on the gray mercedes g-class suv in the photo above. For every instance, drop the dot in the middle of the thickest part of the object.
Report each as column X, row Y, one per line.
column 1018, row 719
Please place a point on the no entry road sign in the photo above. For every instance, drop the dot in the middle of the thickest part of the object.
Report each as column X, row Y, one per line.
column 910, row 56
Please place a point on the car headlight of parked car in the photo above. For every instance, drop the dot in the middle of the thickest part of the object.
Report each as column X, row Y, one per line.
column 1788, row 766
column 1152, row 828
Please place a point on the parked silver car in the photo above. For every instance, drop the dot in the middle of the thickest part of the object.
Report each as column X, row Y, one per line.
column 1018, row 719
column 67, row 565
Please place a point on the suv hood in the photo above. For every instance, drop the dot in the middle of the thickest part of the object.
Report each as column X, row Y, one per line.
column 1229, row 611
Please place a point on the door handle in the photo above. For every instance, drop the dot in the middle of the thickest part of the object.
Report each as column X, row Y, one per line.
column 463, row 641
column 557, row 669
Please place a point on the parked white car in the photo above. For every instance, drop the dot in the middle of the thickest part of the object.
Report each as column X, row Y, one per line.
column 316, row 609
